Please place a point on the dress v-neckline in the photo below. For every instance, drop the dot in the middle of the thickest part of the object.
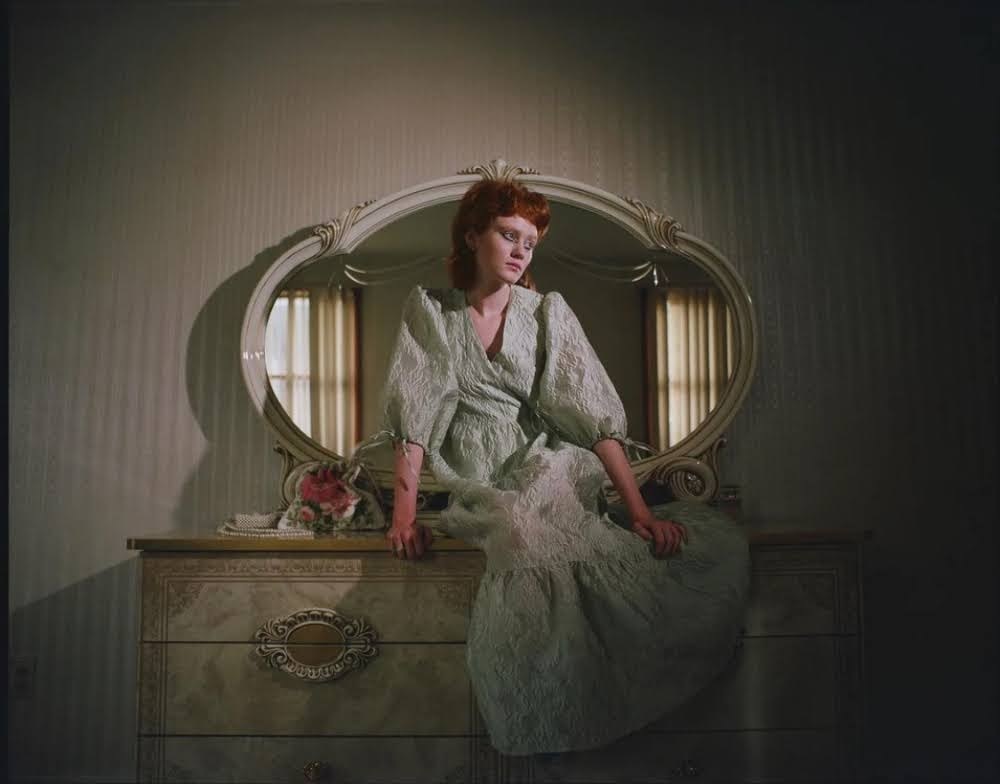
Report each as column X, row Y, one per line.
column 503, row 327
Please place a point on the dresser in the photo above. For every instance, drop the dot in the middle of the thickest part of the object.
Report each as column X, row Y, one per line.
column 267, row 660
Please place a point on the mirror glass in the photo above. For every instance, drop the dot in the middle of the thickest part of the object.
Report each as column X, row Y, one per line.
column 657, row 320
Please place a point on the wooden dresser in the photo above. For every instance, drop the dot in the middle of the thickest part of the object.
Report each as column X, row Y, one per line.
column 222, row 616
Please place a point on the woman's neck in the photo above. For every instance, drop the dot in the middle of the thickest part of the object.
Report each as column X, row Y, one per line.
column 490, row 299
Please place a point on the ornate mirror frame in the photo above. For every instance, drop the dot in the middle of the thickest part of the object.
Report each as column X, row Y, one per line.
column 689, row 467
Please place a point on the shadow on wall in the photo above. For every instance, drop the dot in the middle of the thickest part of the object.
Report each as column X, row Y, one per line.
column 75, row 715
column 239, row 471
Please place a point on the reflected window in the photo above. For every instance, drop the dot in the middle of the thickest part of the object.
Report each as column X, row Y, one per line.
column 690, row 344
column 286, row 352
column 311, row 356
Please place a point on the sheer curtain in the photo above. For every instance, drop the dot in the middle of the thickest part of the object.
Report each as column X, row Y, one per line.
column 690, row 358
column 334, row 358
column 311, row 353
column 286, row 354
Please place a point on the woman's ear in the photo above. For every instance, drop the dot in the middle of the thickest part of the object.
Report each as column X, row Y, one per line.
column 470, row 240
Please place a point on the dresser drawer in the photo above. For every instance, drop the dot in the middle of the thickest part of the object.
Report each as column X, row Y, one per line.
column 226, row 599
column 262, row 760
column 226, row 689
column 803, row 590
column 774, row 683
column 710, row 758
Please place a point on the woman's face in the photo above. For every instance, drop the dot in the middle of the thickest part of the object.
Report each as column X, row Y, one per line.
column 503, row 251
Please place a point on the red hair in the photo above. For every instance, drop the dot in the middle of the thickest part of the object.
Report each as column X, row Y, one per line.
column 484, row 201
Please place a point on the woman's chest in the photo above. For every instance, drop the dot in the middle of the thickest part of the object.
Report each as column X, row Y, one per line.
column 488, row 329
column 496, row 353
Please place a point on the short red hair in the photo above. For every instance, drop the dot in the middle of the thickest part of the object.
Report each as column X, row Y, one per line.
column 484, row 201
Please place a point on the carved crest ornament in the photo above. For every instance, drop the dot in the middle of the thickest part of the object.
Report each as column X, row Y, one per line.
column 316, row 644
column 689, row 468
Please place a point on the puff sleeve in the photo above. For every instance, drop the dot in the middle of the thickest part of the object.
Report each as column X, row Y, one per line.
column 421, row 391
column 575, row 395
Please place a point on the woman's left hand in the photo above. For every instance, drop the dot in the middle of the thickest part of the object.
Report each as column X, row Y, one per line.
column 666, row 535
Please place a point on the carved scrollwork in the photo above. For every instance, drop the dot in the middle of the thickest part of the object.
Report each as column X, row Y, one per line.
column 332, row 232
column 689, row 479
column 661, row 228
column 357, row 649
column 498, row 169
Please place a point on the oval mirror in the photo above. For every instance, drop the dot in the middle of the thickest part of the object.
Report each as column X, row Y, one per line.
column 666, row 313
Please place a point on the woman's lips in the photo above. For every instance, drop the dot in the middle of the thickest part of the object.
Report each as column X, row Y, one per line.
column 516, row 267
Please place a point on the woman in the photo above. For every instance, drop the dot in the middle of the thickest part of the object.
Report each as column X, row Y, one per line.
column 582, row 630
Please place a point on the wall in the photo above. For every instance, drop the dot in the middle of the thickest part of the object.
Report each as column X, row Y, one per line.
column 164, row 154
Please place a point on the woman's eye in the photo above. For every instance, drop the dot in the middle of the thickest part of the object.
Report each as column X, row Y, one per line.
column 509, row 235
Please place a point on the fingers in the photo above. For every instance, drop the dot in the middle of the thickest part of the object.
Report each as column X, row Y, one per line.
column 410, row 542
column 660, row 537
column 667, row 536
column 676, row 534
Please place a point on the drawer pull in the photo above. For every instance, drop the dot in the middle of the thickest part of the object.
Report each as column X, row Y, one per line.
column 316, row 644
column 316, row 771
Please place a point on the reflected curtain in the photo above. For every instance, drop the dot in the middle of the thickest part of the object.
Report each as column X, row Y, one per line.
column 334, row 359
column 689, row 343
column 311, row 349
column 286, row 353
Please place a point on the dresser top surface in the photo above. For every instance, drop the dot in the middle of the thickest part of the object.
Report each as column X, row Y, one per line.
column 368, row 541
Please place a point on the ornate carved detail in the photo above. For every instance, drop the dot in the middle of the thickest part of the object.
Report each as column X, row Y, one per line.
column 151, row 689
column 689, row 479
column 454, row 594
column 710, row 456
column 181, row 595
column 316, row 771
column 382, row 564
column 358, row 649
column 288, row 463
column 332, row 232
column 498, row 169
column 839, row 565
column 661, row 228
column 153, row 618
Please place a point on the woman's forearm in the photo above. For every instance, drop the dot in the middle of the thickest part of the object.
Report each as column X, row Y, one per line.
column 407, row 469
column 620, row 472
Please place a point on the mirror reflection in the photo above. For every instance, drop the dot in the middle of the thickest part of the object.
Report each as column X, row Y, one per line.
column 657, row 320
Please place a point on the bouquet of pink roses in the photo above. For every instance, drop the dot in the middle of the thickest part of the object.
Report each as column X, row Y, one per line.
column 327, row 500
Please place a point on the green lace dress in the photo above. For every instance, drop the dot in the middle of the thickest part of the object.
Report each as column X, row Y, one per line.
column 578, row 634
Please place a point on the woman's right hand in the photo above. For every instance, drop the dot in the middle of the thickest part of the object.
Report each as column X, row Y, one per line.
column 409, row 540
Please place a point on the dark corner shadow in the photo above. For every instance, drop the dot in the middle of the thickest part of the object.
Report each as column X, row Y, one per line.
column 239, row 466
column 77, row 717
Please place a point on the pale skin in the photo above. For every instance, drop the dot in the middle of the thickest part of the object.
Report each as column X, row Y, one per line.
column 503, row 251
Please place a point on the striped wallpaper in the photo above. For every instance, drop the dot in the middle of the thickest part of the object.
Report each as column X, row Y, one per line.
column 163, row 154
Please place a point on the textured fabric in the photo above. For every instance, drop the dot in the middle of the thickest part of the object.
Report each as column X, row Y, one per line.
column 578, row 634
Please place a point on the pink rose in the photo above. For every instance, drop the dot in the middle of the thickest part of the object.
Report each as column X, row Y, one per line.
column 306, row 514
column 322, row 487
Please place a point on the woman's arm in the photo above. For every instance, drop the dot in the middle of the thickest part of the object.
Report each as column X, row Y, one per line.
column 406, row 538
column 665, row 534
